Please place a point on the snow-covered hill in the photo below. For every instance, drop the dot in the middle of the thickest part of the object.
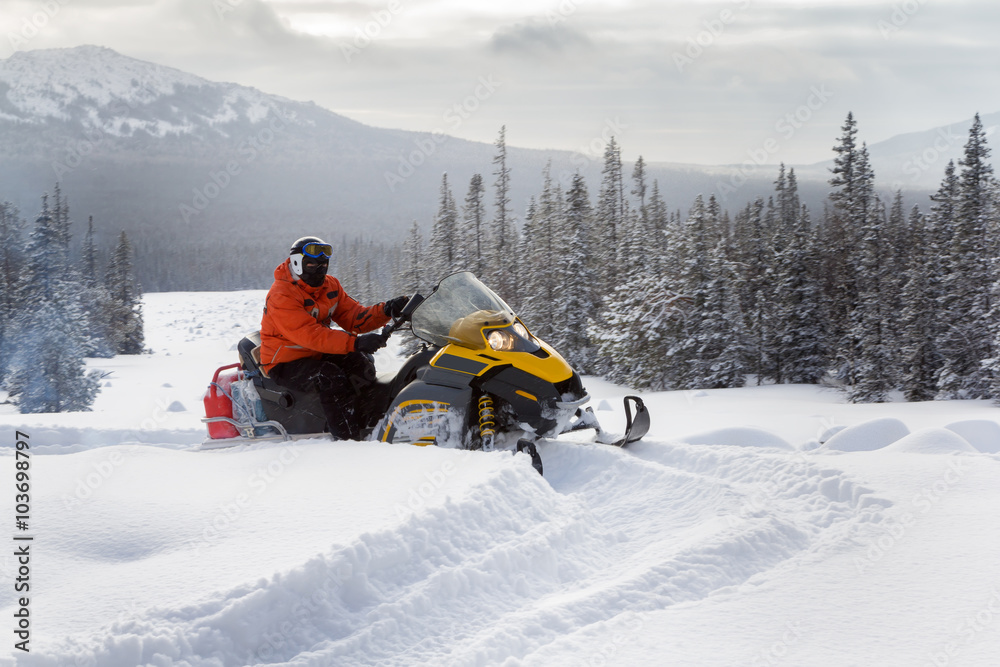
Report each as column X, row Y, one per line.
column 760, row 526
column 94, row 89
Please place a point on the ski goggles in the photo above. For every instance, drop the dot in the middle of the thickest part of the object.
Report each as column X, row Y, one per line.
column 318, row 250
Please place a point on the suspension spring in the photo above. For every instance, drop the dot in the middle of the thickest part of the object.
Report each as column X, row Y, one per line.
column 487, row 425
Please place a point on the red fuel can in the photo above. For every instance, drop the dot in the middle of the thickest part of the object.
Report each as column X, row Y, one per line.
column 217, row 403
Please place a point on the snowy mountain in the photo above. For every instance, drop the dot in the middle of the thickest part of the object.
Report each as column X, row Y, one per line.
column 133, row 143
column 90, row 90
column 758, row 526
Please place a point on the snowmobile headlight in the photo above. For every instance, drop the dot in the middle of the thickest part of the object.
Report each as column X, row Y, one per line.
column 501, row 340
column 521, row 331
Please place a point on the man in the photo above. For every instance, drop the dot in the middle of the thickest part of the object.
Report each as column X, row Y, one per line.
column 299, row 349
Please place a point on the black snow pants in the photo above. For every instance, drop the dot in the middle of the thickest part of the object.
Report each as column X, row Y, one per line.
column 340, row 380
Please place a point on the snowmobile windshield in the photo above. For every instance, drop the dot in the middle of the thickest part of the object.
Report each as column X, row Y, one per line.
column 457, row 311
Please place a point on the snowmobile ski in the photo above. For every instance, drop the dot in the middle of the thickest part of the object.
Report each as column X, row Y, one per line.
column 636, row 425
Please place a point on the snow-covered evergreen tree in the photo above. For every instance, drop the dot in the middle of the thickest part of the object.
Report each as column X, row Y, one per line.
column 124, row 318
column 874, row 361
column 412, row 276
column 443, row 248
column 574, row 301
column 610, row 216
column 796, row 330
column 753, row 255
column 88, row 256
column 48, row 369
column 658, row 255
column 543, row 245
column 502, row 276
column 11, row 278
column 853, row 198
column 707, row 341
column 919, row 358
column 471, row 251
column 966, row 339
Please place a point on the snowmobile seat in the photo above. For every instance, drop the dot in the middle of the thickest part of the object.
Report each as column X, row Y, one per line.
column 297, row 411
column 249, row 349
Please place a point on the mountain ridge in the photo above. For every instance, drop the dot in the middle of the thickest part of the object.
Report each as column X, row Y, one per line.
column 173, row 157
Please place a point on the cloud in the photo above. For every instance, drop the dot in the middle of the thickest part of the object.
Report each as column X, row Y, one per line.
column 537, row 37
column 569, row 67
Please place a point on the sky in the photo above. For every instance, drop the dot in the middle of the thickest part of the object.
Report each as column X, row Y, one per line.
column 674, row 81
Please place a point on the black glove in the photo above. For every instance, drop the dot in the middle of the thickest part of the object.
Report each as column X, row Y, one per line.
column 369, row 342
column 394, row 307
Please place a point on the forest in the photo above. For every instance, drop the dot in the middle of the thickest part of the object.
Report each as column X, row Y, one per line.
column 880, row 299
column 58, row 307
column 866, row 295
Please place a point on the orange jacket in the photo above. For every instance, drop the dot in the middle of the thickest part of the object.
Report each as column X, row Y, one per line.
column 297, row 318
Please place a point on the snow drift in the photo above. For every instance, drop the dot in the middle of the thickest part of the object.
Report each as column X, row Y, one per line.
column 724, row 537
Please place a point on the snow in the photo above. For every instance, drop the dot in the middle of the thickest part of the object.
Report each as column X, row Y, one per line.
column 727, row 536
column 982, row 434
column 932, row 441
column 109, row 91
column 869, row 435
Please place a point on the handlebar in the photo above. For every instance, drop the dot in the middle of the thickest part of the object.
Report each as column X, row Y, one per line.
column 404, row 315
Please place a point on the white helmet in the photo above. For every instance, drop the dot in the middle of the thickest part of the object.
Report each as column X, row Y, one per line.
column 308, row 246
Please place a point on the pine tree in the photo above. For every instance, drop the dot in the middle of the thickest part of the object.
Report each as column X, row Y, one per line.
column 49, row 373
column 753, row 283
column 919, row 358
column 444, row 235
column 89, row 256
column 966, row 290
column 797, row 331
column 412, row 277
column 11, row 279
column 502, row 242
column 874, row 362
column 610, row 215
column 474, row 228
column 573, row 301
column 660, row 231
column 125, row 325
column 47, row 369
column 542, row 249
column 637, row 234
column 707, row 344
column 853, row 199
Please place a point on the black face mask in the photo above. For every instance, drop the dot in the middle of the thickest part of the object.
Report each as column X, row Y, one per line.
column 314, row 271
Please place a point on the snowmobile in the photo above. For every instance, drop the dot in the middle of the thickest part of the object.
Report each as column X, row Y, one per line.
column 480, row 381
